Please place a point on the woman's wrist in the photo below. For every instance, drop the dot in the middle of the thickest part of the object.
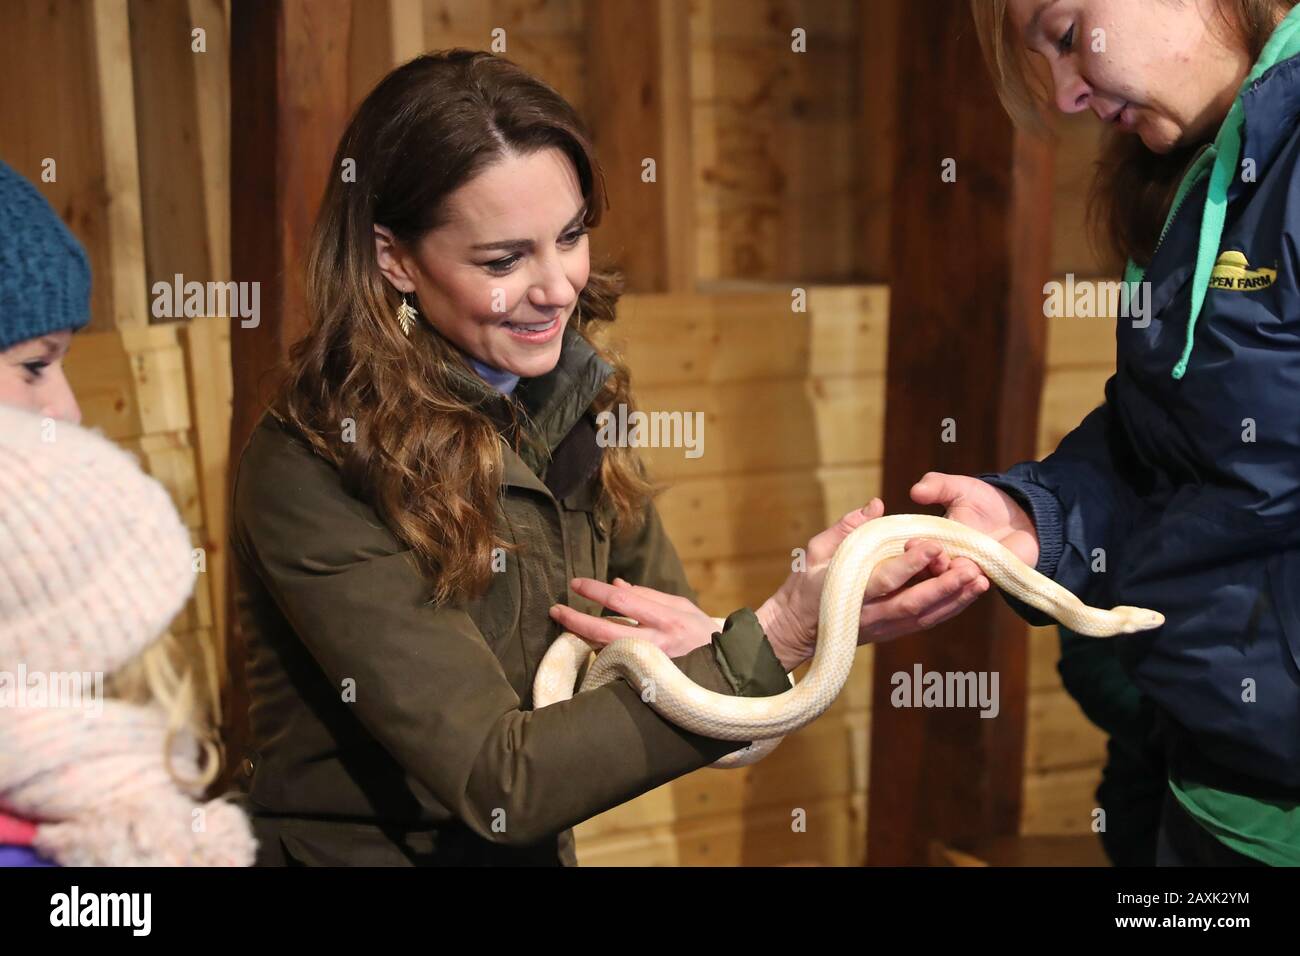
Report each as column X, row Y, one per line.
column 775, row 620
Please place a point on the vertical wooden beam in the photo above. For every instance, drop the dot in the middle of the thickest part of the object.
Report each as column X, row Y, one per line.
column 385, row 34
column 212, row 103
column 639, row 107
column 170, row 143
column 289, row 104
column 125, row 275
column 879, row 78
column 966, row 342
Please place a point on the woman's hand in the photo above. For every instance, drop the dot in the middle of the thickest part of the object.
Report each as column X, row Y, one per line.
column 979, row 505
column 939, row 589
column 670, row 622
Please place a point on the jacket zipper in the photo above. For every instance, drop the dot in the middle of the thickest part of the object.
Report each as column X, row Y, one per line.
column 1169, row 223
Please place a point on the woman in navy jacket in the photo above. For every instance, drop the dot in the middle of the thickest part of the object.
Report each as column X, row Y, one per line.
column 1181, row 491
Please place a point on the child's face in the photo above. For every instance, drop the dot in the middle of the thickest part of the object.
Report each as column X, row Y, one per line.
column 1161, row 71
column 31, row 377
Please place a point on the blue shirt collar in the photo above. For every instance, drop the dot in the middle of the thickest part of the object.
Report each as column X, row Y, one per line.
column 504, row 382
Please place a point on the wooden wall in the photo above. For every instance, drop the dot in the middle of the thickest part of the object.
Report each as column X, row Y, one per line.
column 789, row 172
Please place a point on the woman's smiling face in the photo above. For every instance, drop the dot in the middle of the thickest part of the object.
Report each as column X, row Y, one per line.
column 501, row 278
column 1167, row 70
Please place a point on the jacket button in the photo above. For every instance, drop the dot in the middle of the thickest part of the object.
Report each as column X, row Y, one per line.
column 247, row 767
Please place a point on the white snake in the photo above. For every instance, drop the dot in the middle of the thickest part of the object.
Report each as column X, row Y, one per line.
column 765, row 720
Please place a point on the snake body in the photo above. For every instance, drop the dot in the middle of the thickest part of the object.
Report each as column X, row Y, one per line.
column 765, row 720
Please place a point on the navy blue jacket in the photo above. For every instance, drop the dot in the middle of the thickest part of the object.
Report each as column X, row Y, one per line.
column 1194, row 520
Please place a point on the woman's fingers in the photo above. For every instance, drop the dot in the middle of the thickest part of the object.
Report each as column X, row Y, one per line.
column 624, row 601
column 953, row 605
column 823, row 545
column 594, row 630
column 939, row 564
column 935, row 487
column 893, row 573
column 902, row 612
column 650, row 594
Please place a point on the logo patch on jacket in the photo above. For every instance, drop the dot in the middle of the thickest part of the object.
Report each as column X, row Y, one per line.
column 1232, row 273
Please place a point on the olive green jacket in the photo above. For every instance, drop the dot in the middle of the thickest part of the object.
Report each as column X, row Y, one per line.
column 390, row 731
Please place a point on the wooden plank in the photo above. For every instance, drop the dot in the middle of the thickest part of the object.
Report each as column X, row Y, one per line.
column 1035, row 851
column 130, row 382
column 125, row 274
column 945, row 773
column 169, row 457
column 778, row 161
column 545, row 38
column 59, row 124
column 384, row 34
column 735, row 516
column 207, row 356
column 777, row 425
column 638, row 95
column 406, row 29
column 1060, row 801
column 1074, row 343
column 1060, row 737
column 174, row 203
column 1068, row 396
column 737, row 582
column 833, row 838
column 1080, row 138
column 818, row 761
column 1044, row 652
column 212, row 108
column 671, row 339
column 752, row 335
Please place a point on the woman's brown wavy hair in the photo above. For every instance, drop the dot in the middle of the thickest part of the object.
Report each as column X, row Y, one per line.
column 1133, row 187
column 424, row 455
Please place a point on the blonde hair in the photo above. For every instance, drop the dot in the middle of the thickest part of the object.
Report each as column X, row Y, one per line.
column 180, row 676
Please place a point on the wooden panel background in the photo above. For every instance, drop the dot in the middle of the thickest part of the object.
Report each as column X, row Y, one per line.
column 789, row 188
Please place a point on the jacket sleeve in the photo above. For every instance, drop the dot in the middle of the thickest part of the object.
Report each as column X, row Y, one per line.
column 741, row 649
column 1080, row 498
column 427, row 686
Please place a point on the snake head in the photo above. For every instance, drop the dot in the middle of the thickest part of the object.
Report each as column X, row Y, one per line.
column 1134, row 619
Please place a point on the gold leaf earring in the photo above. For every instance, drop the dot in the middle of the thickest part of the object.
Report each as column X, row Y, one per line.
column 406, row 316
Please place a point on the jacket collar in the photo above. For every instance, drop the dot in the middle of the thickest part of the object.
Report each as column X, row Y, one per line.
column 1271, row 108
column 554, row 403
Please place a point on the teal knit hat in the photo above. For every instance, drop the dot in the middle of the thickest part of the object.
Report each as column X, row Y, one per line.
column 44, row 272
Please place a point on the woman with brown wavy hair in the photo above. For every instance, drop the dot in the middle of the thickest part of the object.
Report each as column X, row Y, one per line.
column 1181, row 491
column 426, row 507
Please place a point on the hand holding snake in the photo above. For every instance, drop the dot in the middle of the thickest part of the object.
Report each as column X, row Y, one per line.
column 999, row 545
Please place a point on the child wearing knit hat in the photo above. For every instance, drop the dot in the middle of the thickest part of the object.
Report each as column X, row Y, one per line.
column 44, row 298
column 94, row 565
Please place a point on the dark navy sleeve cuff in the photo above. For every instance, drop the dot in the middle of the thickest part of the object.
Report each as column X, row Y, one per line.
column 1045, row 511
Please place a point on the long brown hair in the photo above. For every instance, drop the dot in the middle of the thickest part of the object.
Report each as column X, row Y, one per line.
column 425, row 455
column 1133, row 187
